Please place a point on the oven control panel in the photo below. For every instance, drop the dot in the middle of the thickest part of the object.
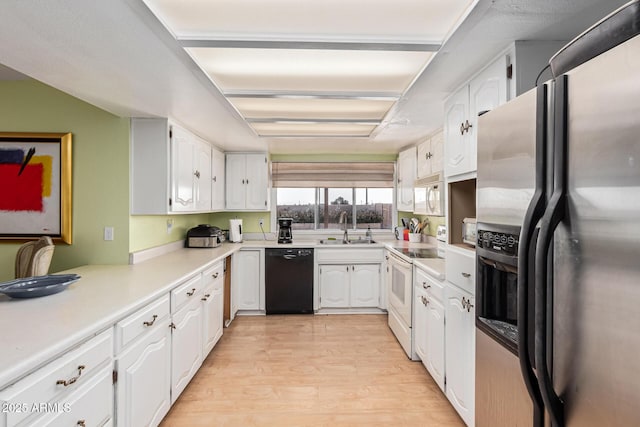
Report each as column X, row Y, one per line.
column 504, row 243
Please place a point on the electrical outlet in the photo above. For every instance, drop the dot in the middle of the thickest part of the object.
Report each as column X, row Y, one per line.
column 169, row 225
column 108, row 233
column 261, row 222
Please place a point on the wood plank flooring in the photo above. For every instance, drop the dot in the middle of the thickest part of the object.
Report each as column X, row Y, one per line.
column 323, row 370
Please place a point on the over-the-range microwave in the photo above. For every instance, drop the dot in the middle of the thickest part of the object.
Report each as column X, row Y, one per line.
column 429, row 196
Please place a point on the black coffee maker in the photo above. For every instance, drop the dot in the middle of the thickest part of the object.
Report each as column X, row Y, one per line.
column 284, row 230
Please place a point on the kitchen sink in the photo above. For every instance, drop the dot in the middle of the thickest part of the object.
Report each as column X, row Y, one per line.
column 350, row 242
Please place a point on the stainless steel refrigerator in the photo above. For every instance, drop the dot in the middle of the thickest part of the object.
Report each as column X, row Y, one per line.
column 558, row 280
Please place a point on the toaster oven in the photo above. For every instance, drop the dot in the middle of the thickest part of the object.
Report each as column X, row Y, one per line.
column 204, row 236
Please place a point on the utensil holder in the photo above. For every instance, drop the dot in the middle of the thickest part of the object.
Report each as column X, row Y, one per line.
column 415, row 237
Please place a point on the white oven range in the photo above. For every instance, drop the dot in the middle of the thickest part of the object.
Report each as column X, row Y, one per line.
column 400, row 302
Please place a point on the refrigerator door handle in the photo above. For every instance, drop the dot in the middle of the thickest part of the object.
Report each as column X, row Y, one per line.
column 525, row 254
column 543, row 293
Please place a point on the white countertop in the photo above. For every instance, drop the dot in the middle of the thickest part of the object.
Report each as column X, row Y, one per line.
column 35, row 331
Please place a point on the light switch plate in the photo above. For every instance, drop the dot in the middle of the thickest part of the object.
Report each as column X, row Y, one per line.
column 108, row 233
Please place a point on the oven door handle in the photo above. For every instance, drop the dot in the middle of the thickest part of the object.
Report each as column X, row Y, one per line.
column 526, row 255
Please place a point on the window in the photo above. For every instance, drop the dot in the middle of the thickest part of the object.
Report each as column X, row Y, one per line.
column 320, row 208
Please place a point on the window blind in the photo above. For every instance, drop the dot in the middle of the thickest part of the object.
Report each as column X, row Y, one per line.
column 332, row 174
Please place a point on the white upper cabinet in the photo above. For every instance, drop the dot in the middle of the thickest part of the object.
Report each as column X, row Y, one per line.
column 217, row 180
column 170, row 169
column 487, row 90
column 190, row 172
column 406, row 176
column 247, row 182
column 430, row 156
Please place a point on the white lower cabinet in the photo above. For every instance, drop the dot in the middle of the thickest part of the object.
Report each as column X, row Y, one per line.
column 91, row 405
column 143, row 386
column 53, row 389
column 460, row 351
column 212, row 307
column 248, row 279
column 334, row 286
column 186, row 346
column 365, row 285
column 345, row 286
column 429, row 326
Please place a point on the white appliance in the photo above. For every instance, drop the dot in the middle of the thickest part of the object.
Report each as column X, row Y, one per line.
column 235, row 230
column 429, row 196
column 400, row 302
column 441, row 236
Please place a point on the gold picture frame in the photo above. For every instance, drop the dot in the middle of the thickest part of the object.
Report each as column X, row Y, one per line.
column 36, row 190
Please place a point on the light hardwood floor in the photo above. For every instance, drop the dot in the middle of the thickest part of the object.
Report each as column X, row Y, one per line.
column 336, row 370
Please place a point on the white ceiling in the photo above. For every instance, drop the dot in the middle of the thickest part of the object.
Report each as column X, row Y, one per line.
column 116, row 55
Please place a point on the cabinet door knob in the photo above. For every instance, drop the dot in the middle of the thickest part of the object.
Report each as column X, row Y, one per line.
column 469, row 306
column 153, row 320
column 72, row 379
column 466, row 274
column 205, row 297
column 214, row 179
column 172, row 325
column 81, row 423
column 243, row 181
column 425, row 286
column 462, row 128
column 467, row 126
column 197, row 174
column 247, row 181
column 425, row 301
column 215, row 275
column 190, row 293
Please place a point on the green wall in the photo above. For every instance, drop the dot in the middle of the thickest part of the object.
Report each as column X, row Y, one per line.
column 434, row 221
column 249, row 220
column 149, row 231
column 100, row 171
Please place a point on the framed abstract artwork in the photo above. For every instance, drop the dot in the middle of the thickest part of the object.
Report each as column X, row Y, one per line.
column 35, row 186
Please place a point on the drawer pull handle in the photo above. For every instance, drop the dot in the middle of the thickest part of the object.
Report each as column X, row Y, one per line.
column 153, row 320
column 81, row 423
column 71, row 380
column 205, row 297
column 425, row 286
column 193, row 291
column 466, row 274
column 215, row 275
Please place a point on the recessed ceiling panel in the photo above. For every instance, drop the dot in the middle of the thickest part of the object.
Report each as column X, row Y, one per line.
column 312, row 129
column 311, row 70
column 355, row 109
column 417, row 20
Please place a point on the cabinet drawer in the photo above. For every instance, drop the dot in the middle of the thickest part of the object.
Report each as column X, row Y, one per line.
column 140, row 322
column 215, row 275
column 434, row 288
column 187, row 291
column 461, row 268
column 57, row 379
column 91, row 405
column 349, row 256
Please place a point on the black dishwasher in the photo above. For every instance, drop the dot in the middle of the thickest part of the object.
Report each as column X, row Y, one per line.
column 289, row 281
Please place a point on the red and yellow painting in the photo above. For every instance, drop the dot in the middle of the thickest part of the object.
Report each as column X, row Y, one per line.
column 32, row 179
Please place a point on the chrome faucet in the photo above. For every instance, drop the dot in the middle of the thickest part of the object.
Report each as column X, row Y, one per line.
column 343, row 220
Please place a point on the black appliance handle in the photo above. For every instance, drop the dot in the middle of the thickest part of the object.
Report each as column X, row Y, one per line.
column 527, row 233
column 543, row 287
column 289, row 256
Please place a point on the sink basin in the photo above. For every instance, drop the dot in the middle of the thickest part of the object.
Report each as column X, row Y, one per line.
column 351, row 242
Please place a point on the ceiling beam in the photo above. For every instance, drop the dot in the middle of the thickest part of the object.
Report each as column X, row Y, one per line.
column 323, row 45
